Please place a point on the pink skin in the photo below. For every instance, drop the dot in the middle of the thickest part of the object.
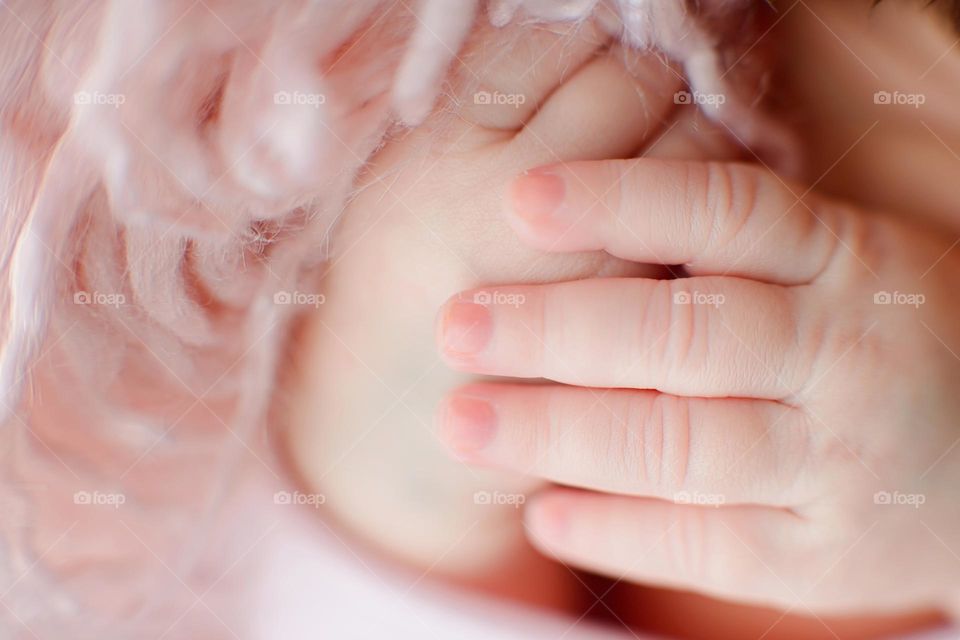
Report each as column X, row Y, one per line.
column 769, row 388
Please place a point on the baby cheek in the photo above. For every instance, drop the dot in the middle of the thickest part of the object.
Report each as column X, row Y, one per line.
column 488, row 252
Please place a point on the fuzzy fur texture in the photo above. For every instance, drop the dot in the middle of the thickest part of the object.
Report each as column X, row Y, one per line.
column 167, row 168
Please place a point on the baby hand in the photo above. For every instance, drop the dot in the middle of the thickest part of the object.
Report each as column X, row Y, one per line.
column 780, row 427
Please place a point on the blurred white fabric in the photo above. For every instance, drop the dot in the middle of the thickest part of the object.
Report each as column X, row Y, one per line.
column 316, row 583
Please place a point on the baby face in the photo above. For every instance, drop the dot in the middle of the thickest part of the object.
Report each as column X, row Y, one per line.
column 427, row 222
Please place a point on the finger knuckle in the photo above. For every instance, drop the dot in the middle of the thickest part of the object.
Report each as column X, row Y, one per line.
column 541, row 444
column 686, row 343
column 728, row 199
column 688, row 544
column 655, row 318
column 623, row 197
column 844, row 241
column 832, row 349
column 666, row 438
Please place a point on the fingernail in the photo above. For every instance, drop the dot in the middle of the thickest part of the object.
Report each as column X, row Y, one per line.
column 467, row 425
column 536, row 196
column 549, row 517
column 465, row 329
